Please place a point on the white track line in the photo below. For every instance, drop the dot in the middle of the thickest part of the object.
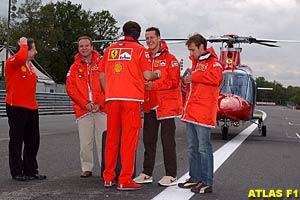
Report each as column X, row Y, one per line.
column 288, row 136
column 220, row 156
column 293, row 124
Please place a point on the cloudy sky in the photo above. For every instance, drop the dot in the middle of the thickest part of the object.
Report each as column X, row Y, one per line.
column 267, row 19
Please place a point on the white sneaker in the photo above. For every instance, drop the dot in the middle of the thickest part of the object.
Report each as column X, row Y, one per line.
column 143, row 178
column 167, row 181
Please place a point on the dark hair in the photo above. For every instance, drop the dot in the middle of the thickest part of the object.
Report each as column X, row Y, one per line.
column 85, row 37
column 132, row 29
column 157, row 32
column 197, row 39
column 30, row 42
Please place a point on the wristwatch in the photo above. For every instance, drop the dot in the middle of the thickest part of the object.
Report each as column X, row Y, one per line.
column 157, row 74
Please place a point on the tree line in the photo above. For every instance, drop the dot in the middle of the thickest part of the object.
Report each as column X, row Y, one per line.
column 280, row 95
column 55, row 28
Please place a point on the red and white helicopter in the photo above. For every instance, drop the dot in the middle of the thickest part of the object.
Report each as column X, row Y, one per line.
column 237, row 98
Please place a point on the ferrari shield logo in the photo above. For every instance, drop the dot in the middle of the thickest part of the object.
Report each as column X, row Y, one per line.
column 114, row 53
column 202, row 67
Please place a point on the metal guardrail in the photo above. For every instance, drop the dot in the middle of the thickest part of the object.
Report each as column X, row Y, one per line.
column 49, row 103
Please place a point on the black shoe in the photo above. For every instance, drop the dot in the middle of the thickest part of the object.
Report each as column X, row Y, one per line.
column 187, row 184
column 201, row 188
column 37, row 177
column 20, row 178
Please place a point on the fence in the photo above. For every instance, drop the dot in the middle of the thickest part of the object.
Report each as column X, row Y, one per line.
column 49, row 103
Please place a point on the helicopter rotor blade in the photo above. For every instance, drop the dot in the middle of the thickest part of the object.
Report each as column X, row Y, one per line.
column 169, row 40
column 254, row 40
column 174, row 39
column 266, row 44
column 229, row 39
column 289, row 41
column 223, row 38
column 101, row 41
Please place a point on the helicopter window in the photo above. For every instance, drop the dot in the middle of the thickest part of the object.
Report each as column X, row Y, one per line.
column 226, row 84
column 239, row 87
column 251, row 94
column 238, row 84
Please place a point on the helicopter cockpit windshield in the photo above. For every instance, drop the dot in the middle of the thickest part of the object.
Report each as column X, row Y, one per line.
column 239, row 83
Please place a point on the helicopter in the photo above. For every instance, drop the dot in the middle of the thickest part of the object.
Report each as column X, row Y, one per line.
column 237, row 98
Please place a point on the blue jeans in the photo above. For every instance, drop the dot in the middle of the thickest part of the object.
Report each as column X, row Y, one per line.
column 200, row 153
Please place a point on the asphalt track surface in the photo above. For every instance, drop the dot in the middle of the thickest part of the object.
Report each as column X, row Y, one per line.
column 258, row 164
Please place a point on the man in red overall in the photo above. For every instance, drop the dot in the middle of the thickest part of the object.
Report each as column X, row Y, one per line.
column 124, row 67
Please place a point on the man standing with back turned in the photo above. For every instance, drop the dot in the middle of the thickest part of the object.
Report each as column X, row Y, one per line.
column 22, row 112
column 124, row 66
column 200, row 110
column 163, row 102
